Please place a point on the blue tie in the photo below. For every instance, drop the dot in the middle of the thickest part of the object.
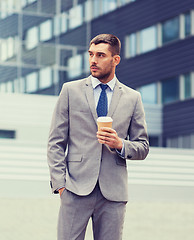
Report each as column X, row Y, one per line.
column 102, row 107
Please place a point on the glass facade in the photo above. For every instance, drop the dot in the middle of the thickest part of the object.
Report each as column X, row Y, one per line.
column 46, row 30
column 170, row 90
column 32, row 33
column 7, row 133
column 33, row 56
column 148, row 39
column 32, row 38
column 170, row 30
column 187, row 27
column 149, row 93
column 159, row 35
column 131, row 45
column 45, row 78
column 75, row 16
column 74, row 66
column 174, row 89
column 32, row 82
column 182, row 141
column 187, row 86
column 108, row 5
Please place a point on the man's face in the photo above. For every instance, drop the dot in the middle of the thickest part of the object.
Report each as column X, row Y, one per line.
column 102, row 63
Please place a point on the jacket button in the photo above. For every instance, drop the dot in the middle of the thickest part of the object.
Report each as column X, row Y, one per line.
column 129, row 156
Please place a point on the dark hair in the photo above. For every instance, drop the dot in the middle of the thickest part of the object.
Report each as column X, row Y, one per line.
column 110, row 39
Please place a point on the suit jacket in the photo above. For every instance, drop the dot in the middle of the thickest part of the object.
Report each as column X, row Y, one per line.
column 76, row 159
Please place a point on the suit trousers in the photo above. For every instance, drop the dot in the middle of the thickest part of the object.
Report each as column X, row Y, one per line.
column 75, row 212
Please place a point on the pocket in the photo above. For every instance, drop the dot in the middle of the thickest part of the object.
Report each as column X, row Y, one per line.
column 121, row 162
column 72, row 157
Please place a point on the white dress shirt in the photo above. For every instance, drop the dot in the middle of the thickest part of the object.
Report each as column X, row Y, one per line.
column 97, row 89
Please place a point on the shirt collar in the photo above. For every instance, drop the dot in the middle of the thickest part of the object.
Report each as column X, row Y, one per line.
column 96, row 82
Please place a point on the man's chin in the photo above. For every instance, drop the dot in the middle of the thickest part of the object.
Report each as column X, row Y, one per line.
column 95, row 74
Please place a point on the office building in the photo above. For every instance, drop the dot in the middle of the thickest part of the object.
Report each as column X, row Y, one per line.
column 44, row 43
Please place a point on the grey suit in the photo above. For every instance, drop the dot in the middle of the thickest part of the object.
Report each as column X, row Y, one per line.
column 86, row 161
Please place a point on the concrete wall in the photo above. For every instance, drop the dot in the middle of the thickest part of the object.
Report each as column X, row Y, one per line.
column 28, row 115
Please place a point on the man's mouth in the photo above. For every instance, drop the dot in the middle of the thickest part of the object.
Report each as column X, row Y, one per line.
column 94, row 68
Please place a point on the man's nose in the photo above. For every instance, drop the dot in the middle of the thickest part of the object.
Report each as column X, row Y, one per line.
column 94, row 59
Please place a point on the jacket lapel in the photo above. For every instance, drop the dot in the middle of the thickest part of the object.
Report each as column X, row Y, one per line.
column 90, row 97
column 115, row 98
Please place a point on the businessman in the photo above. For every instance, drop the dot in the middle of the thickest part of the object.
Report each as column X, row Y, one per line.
column 88, row 166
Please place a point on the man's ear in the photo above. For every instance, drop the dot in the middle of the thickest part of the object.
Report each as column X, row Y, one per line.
column 116, row 59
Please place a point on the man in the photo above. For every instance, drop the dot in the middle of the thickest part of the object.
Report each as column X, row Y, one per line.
column 88, row 167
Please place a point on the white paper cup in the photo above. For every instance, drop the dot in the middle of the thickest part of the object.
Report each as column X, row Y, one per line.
column 104, row 122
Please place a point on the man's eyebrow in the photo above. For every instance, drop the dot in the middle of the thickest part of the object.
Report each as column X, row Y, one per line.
column 97, row 52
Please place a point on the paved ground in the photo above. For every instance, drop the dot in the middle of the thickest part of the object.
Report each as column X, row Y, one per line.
column 36, row 219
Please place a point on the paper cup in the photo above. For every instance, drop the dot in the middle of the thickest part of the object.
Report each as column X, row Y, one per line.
column 104, row 122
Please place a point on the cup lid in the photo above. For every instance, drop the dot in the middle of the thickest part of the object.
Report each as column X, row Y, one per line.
column 104, row 119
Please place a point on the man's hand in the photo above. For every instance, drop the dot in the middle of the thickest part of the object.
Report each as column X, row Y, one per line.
column 61, row 190
column 109, row 137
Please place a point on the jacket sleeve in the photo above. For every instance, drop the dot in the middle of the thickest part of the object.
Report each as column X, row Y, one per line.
column 57, row 141
column 136, row 147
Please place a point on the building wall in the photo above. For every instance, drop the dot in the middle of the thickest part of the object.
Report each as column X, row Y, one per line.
column 171, row 60
column 178, row 119
column 28, row 115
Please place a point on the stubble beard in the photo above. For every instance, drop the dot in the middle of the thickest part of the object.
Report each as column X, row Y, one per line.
column 102, row 76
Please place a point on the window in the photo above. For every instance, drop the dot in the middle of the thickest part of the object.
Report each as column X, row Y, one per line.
column 148, row 39
column 16, row 44
column 170, row 90
column 10, row 47
column 86, row 62
column 172, row 142
column 7, row 48
column 3, row 12
column 10, row 86
column 122, row 2
column 88, row 10
column 75, row 66
column 16, row 85
column 108, row 5
column 75, row 16
column 186, row 141
column 187, row 86
column 57, row 27
column 45, row 78
column 170, row 30
column 182, row 141
column 149, row 93
column 31, row 1
column 31, row 82
column 23, row 3
column 32, row 38
column 63, row 23
column 22, row 85
column 3, row 49
column 130, row 44
column 3, row 87
column 154, row 141
column 187, row 24
column 96, row 8
column 46, row 30
column 7, row 133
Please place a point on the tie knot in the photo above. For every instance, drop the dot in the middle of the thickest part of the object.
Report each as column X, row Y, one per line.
column 103, row 86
